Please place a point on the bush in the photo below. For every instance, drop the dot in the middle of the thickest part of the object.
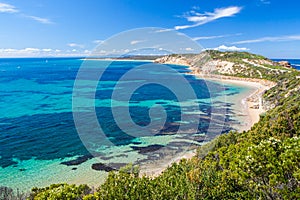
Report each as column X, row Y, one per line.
column 60, row 192
column 7, row 193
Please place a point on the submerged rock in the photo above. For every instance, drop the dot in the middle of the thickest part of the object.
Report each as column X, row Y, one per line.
column 102, row 167
column 77, row 161
column 147, row 149
column 107, row 167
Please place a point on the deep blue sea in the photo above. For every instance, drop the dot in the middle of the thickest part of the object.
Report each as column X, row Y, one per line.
column 39, row 143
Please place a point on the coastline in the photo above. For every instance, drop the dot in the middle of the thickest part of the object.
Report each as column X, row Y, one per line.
column 243, row 102
column 251, row 104
column 247, row 108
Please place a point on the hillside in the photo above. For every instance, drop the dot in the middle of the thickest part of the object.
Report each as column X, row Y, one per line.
column 262, row 163
column 238, row 64
column 233, row 65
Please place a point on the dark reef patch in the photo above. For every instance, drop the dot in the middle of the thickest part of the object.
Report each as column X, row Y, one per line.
column 77, row 161
column 147, row 149
column 106, row 167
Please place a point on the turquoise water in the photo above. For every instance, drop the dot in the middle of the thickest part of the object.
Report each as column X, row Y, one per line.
column 39, row 143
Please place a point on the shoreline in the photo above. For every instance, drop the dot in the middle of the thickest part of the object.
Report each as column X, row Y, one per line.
column 248, row 105
column 252, row 103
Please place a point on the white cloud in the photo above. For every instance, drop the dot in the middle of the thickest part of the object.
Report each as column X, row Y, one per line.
column 189, row 49
column 75, row 45
column 47, row 50
column 213, row 37
column 7, row 8
column 270, row 39
column 87, row 51
column 7, row 50
column 163, row 30
column 203, row 18
column 208, row 37
column 98, row 41
column 31, row 50
column 26, row 52
column 43, row 52
column 39, row 19
column 133, row 42
column 231, row 48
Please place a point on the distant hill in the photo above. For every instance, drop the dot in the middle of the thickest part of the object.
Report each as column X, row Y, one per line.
column 238, row 64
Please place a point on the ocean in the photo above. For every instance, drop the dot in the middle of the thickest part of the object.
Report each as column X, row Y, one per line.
column 39, row 140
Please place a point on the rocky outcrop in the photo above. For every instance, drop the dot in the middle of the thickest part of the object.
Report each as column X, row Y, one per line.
column 171, row 59
column 285, row 64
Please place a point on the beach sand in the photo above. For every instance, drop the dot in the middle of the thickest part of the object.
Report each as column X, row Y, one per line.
column 247, row 108
column 154, row 169
column 251, row 105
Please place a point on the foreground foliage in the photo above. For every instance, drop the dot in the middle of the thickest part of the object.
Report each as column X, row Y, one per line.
column 7, row 193
column 60, row 191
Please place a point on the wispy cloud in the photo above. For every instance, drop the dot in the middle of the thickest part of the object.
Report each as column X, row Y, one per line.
column 133, row 42
column 231, row 48
column 75, row 45
column 214, row 37
column 208, row 37
column 164, row 30
column 265, row 2
column 7, row 8
column 40, row 19
column 199, row 19
column 98, row 41
column 189, row 49
column 270, row 39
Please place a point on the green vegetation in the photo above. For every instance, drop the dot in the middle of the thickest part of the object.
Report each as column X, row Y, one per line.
column 60, row 191
column 247, row 65
column 7, row 193
column 262, row 163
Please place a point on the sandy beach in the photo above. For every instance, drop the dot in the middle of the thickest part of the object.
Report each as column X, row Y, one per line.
column 249, row 105
column 247, row 108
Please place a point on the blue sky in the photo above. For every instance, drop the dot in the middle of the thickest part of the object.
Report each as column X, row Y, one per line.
column 72, row 28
